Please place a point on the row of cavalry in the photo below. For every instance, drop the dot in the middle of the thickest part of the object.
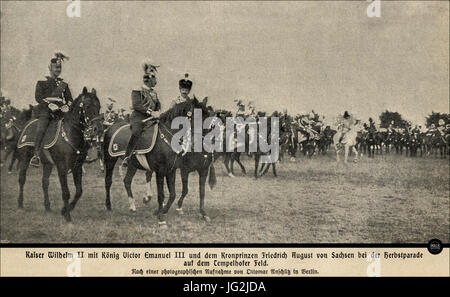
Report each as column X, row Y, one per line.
column 70, row 139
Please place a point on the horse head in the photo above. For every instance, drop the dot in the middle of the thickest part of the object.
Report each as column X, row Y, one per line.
column 85, row 112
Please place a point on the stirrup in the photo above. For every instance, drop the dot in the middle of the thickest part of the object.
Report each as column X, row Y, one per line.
column 35, row 161
column 125, row 161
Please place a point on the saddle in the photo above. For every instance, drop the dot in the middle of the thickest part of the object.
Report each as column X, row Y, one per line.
column 119, row 140
column 28, row 135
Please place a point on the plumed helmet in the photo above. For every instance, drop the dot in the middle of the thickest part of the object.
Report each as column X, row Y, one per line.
column 149, row 68
column 59, row 58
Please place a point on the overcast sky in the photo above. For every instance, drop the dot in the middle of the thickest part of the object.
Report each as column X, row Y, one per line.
column 326, row 56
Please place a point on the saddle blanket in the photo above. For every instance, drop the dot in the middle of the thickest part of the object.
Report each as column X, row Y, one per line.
column 28, row 135
column 119, row 140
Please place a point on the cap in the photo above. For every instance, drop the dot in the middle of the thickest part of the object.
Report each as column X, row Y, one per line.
column 185, row 83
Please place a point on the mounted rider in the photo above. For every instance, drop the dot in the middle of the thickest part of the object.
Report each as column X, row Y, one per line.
column 54, row 98
column 185, row 86
column 346, row 125
column 122, row 115
column 391, row 127
column 240, row 112
column 441, row 128
column 415, row 130
column 431, row 130
column 110, row 116
column 5, row 106
column 372, row 127
column 145, row 105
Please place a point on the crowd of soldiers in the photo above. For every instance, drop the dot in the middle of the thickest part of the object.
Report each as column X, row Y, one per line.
column 304, row 129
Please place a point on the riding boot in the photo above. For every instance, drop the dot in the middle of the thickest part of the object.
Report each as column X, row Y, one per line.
column 40, row 132
column 130, row 148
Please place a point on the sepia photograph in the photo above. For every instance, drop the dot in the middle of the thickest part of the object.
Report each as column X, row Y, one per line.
column 224, row 122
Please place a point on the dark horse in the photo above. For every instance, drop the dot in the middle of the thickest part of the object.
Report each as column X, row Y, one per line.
column 68, row 153
column 229, row 157
column 12, row 124
column 268, row 139
column 164, row 161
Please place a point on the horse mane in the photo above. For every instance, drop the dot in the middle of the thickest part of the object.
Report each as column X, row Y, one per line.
column 175, row 111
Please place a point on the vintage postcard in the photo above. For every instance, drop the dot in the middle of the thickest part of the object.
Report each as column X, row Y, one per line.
column 225, row 138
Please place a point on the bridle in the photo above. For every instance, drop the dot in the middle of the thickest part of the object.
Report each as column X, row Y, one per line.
column 84, row 123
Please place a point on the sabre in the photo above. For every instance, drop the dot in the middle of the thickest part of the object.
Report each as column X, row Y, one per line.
column 52, row 99
column 148, row 119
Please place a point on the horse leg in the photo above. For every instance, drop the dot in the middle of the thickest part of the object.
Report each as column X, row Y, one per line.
column 170, row 179
column 238, row 160
column 356, row 154
column 46, row 172
column 232, row 159
column 100, row 159
column 202, row 175
column 274, row 170
column 62, row 174
column 24, row 163
column 7, row 153
column 160, row 191
column 110, row 163
column 77, row 175
column 149, row 190
column 226, row 161
column 184, row 191
column 337, row 152
column 346, row 151
column 13, row 159
column 256, row 164
column 127, row 180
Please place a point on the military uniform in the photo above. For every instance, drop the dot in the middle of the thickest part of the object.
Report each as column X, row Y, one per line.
column 441, row 129
column 144, row 102
column 110, row 117
column 240, row 109
column 180, row 99
column 185, row 84
column 51, row 87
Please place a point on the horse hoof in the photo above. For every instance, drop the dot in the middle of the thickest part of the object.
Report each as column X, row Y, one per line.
column 132, row 209
column 207, row 219
column 108, row 207
column 162, row 225
column 230, row 174
column 180, row 211
column 147, row 199
column 68, row 218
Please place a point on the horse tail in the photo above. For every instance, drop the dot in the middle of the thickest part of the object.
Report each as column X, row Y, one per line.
column 212, row 176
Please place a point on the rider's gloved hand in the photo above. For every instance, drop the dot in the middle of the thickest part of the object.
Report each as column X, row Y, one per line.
column 156, row 114
column 64, row 108
column 53, row 106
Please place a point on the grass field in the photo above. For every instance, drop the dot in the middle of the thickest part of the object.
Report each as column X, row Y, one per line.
column 389, row 199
